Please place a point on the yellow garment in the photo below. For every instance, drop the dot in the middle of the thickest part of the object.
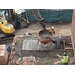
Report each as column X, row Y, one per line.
column 65, row 59
column 52, row 30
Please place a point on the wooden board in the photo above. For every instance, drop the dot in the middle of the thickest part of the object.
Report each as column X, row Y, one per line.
column 68, row 48
column 68, row 45
column 3, row 55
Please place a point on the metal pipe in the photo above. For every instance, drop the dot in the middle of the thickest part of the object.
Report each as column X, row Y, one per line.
column 58, row 40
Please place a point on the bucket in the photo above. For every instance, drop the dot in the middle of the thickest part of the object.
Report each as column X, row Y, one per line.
column 45, row 36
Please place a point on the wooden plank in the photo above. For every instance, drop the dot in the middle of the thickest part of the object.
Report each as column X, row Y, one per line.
column 69, row 43
column 57, row 62
column 68, row 48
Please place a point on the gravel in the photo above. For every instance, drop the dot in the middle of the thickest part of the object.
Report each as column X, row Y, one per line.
column 46, row 36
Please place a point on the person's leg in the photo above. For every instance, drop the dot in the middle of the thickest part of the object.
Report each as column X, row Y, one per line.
column 64, row 63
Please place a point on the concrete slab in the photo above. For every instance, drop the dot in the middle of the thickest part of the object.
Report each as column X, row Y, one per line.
column 33, row 45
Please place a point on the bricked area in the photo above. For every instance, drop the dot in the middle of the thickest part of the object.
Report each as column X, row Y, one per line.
column 28, row 61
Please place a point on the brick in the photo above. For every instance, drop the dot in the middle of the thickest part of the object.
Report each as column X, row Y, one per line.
column 11, row 57
column 13, row 44
column 9, row 63
column 28, row 58
column 25, row 63
column 29, row 61
column 15, row 40
column 18, row 63
column 13, row 53
column 24, row 58
column 13, row 48
column 12, row 62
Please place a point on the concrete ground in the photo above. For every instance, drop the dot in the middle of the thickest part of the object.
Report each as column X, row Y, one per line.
column 43, row 58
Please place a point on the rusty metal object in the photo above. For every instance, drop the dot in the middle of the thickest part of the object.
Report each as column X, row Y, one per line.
column 44, row 41
column 45, row 46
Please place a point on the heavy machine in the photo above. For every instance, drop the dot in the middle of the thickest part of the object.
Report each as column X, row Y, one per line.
column 39, row 19
column 11, row 19
column 5, row 26
column 17, row 18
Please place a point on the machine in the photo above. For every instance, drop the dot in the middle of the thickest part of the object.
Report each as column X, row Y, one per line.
column 10, row 19
column 39, row 19
column 5, row 26
column 17, row 18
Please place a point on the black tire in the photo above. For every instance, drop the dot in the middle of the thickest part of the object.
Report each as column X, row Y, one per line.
column 25, row 26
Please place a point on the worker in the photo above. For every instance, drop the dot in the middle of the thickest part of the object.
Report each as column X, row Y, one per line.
column 52, row 30
column 64, row 59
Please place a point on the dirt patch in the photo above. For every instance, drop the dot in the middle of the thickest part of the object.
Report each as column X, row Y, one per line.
column 45, row 57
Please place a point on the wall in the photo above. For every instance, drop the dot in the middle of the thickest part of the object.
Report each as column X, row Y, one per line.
column 51, row 15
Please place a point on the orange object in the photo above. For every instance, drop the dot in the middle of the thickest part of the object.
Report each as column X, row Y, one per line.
column 45, row 41
column 3, row 55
